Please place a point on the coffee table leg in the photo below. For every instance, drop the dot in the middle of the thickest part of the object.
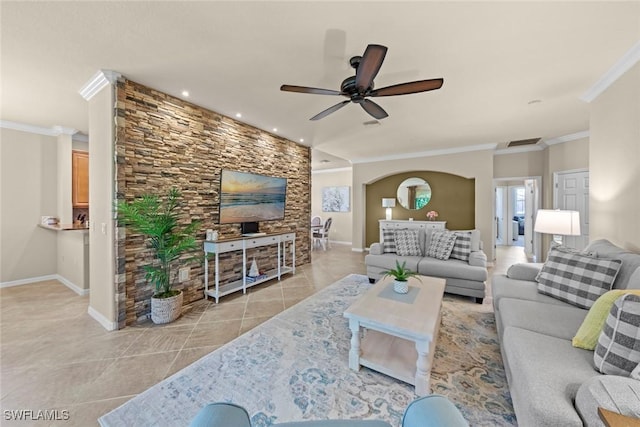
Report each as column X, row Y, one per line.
column 354, row 353
column 423, row 369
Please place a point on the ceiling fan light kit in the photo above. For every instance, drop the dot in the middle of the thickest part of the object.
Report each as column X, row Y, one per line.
column 357, row 88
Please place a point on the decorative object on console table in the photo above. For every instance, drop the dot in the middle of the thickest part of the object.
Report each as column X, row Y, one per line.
column 401, row 276
column 432, row 215
column 158, row 220
column 253, row 271
column 557, row 222
column 389, row 203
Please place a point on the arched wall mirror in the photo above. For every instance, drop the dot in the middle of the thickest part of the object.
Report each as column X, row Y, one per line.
column 414, row 193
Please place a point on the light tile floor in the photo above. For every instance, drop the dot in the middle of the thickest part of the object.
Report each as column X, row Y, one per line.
column 55, row 357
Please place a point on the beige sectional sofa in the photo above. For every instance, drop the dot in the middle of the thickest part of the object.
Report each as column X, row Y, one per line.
column 551, row 382
column 463, row 277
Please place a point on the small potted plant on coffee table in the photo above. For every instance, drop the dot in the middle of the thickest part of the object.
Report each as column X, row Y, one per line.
column 401, row 276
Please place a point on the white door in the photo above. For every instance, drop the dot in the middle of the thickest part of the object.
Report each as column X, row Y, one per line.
column 501, row 214
column 572, row 193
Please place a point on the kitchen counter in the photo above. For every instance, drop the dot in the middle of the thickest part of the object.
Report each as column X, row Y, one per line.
column 65, row 227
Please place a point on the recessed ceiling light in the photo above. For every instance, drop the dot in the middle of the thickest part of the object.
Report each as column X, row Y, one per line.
column 275, row 129
column 185, row 93
column 301, row 139
column 238, row 115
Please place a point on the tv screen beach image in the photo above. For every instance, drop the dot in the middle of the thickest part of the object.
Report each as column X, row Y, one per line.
column 249, row 197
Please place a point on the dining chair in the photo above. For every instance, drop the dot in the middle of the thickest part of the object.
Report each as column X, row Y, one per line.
column 322, row 235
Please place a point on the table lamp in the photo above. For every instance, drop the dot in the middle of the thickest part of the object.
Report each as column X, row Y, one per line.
column 557, row 222
column 389, row 203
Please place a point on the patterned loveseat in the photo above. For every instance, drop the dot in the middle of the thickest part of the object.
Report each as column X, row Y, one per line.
column 427, row 251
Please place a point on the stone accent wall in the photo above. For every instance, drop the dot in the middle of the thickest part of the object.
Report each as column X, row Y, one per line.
column 165, row 142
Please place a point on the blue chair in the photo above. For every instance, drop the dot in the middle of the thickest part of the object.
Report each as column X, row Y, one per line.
column 433, row 411
column 428, row 411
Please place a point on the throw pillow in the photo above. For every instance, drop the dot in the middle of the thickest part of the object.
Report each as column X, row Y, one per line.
column 589, row 332
column 635, row 374
column 524, row 271
column 575, row 278
column 618, row 349
column 462, row 246
column 407, row 243
column 441, row 244
column 388, row 241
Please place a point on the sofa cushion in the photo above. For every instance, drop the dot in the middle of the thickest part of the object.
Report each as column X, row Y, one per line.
column 524, row 271
column 451, row 268
column 462, row 246
column 388, row 241
column 441, row 244
column 503, row 287
column 546, row 373
column 388, row 261
column 618, row 349
column 630, row 262
column 612, row 392
column 553, row 320
column 407, row 243
column 575, row 278
column 589, row 332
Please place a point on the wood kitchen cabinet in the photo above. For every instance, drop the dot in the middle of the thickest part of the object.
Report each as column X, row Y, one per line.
column 80, row 179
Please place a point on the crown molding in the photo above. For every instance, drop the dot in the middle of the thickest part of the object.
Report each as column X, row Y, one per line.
column 97, row 82
column 624, row 64
column 347, row 169
column 430, row 153
column 80, row 137
column 40, row 130
column 566, row 138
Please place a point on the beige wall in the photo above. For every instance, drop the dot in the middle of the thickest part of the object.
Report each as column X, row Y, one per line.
column 28, row 183
column 64, row 179
column 477, row 164
column 530, row 163
column 568, row 156
column 341, row 225
column 614, row 153
column 73, row 260
column 101, row 239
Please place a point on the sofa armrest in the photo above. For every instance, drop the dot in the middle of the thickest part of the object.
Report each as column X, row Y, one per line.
column 524, row 271
column 375, row 249
column 478, row 259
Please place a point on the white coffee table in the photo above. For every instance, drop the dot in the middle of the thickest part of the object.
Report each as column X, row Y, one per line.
column 399, row 331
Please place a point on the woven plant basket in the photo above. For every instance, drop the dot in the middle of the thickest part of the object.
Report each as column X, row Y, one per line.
column 166, row 310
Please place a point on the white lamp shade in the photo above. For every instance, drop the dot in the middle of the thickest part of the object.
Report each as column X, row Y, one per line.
column 563, row 223
column 388, row 203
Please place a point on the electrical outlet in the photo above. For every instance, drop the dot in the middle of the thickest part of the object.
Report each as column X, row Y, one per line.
column 183, row 274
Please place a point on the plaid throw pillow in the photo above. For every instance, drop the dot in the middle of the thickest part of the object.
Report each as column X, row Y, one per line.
column 407, row 243
column 575, row 278
column 388, row 241
column 618, row 349
column 441, row 244
column 462, row 246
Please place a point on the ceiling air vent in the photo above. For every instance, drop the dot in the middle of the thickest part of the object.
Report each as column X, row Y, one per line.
column 371, row 123
column 522, row 142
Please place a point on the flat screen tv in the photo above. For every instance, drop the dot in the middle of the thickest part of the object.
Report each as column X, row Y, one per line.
column 249, row 197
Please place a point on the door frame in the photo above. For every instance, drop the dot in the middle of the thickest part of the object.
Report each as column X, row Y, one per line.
column 537, row 203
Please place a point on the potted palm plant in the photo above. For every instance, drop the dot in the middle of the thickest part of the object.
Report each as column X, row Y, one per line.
column 401, row 276
column 171, row 243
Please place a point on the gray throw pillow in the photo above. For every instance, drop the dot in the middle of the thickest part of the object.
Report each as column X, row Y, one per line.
column 407, row 243
column 388, row 241
column 575, row 278
column 441, row 244
column 618, row 349
column 462, row 246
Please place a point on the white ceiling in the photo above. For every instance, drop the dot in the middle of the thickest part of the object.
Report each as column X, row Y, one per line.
column 495, row 58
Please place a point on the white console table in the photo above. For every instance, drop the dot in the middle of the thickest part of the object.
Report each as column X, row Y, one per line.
column 242, row 244
column 403, row 223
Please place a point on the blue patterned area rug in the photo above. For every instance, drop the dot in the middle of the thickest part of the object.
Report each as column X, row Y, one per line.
column 295, row 367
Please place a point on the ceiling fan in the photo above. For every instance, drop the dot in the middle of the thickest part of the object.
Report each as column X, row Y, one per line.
column 357, row 88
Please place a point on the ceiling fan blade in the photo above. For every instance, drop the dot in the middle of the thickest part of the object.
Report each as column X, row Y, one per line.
column 407, row 88
column 374, row 109
column 312, row 90
column 369, row 66
column 329, row 110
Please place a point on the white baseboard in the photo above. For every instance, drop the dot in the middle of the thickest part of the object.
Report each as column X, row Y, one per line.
column 338, row 242
column 106, row 323
column 28, row 280
column 357, row 250
column 75, row 288
column 78, row 290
